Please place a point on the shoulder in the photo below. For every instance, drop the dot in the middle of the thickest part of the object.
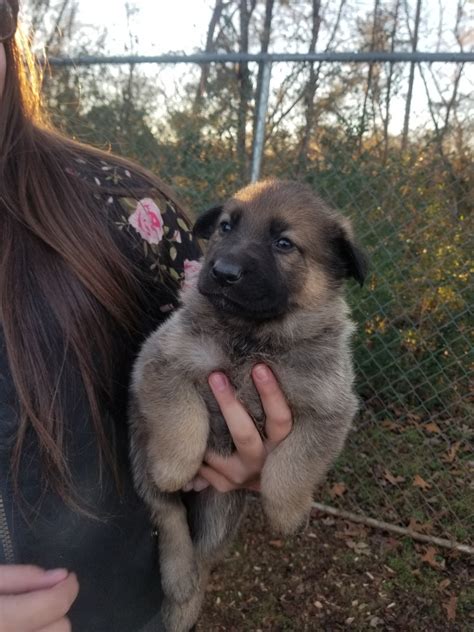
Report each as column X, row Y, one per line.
column 146, row 211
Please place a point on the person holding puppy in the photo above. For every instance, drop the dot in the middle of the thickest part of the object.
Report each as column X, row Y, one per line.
column 93, row 251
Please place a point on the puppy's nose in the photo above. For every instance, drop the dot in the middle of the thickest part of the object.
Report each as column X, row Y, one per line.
column 226, row 272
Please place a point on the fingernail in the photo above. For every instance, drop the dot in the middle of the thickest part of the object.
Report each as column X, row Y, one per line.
column 200, row 484
column 57, row 574
column 218, row 381
column 261, row 372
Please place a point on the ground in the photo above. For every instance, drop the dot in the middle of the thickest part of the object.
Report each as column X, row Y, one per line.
column 337, row 575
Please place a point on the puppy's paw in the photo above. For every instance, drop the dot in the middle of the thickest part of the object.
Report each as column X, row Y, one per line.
column 287, row 518
column 180, row 617
column 171, row 476
column 180, row 579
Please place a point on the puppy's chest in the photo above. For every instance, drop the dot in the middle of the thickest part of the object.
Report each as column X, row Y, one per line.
column 240, row 356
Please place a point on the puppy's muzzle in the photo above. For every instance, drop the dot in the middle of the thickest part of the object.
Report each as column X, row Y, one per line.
column 226, row 272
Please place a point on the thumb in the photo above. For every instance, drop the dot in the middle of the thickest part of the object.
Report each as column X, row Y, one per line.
column 21, row 578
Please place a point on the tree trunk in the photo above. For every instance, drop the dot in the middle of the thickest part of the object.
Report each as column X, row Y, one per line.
column 310, row 91
column 406, row 122
column 369, row 77
column 244, row 89
column 388, row 95
column 215, row 18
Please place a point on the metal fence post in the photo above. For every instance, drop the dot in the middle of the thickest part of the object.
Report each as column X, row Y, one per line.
column 259, row 140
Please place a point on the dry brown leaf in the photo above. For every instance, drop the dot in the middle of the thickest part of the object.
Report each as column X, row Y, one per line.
column 432, row 427
column 338, row 489
column 420, row 482
column 414, row 525
column 430, row 558
column 444, row 584
column 394, row 480
column 391, row 425
column 276, row 544
column 450, row 607
column 451, row 453
column 391, row 544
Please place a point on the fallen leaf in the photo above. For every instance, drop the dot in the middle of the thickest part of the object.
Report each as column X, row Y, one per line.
column 361, row 548
column 338, row 489
column 444, row 584
column 391, row 544
column 430, row 558
column 450, row 607
column 391, row 425
column 451, row 453
column 432, row 427
column 420, row 482
column 394, row 480
column 276, row 544
column 420, row 527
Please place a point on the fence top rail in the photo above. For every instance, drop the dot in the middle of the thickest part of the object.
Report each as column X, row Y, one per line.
column 199, row 58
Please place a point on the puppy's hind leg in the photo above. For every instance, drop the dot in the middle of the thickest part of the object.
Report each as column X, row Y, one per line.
column 214, row 519
column 178, row 564
column 180, row 617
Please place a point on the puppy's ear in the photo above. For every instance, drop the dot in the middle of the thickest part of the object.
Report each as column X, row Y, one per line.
column 206, row 222
column 349, row 259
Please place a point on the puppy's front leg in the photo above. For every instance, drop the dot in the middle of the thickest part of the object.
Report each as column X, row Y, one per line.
column 292, row 471
column 169, row 414
column 177, row 429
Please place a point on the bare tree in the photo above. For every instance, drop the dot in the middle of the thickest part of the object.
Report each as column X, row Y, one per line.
column 311, row 86
column 388, row 92
column 414, row 40
column 210, row 44
column 246, row 9
column 368, row 89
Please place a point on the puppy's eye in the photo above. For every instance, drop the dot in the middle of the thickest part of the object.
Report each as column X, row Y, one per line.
column 225, row 227
column 283, row 244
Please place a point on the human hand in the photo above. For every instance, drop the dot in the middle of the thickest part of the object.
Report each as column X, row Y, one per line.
column 243, row 468
column 35, row 600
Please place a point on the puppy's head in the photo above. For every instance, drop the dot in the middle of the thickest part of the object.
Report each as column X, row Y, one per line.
column 273, row 247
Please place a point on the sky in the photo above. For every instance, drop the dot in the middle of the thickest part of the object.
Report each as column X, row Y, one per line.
column 160, row 25
column 180, row 25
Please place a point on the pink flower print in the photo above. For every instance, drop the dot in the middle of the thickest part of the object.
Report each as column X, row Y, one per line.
column 191, row 273
column 147, row 220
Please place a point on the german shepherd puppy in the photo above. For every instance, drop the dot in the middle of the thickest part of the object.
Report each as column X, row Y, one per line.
column 270, row 290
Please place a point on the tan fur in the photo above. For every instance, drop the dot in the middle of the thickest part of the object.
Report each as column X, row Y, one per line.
column 174, row 416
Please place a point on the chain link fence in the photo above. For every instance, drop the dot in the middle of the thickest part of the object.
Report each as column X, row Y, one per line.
column 409, row 458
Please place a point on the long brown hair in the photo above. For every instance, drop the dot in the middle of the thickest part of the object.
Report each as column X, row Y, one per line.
column 62, row 274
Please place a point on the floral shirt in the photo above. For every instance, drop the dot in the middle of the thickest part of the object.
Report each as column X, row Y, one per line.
column 152, row 221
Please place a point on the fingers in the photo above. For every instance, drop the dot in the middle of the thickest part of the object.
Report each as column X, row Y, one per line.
column 233, row 467
column 243, row 467
column 21, row 578
column 245, row 435
column 216, row 479
column 197, row 484
column 278, row 422
column 34, row 610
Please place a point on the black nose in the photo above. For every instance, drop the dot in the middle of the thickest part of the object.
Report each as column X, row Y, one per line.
column 226, row 272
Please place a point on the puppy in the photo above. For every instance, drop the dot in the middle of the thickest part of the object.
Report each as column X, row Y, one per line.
column 270, row 290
